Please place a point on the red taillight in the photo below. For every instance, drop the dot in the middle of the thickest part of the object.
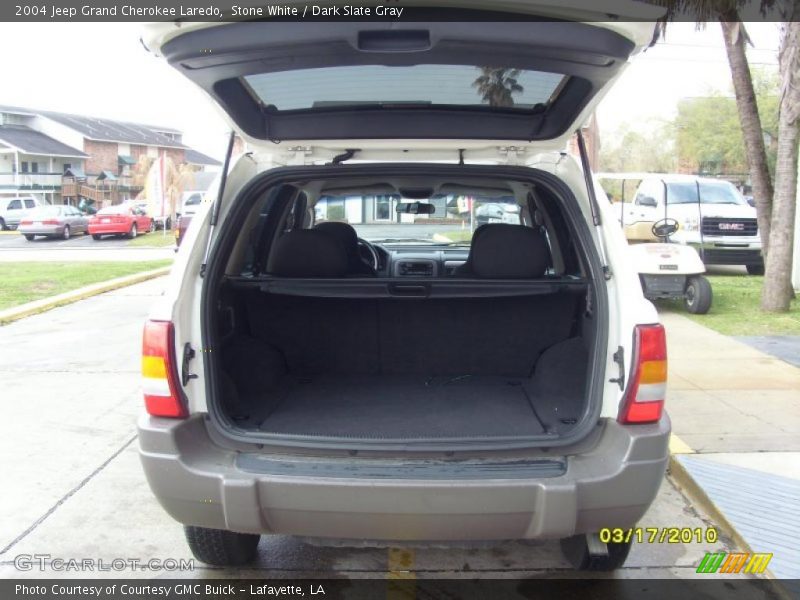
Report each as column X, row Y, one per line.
column 644, row 399
column 51, row 222
column 26, row 222
column 162, row 391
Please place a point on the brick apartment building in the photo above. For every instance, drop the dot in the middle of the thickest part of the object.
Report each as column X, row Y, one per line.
column 61, row 157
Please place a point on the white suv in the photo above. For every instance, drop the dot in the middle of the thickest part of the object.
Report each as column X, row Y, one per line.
column 360, row 378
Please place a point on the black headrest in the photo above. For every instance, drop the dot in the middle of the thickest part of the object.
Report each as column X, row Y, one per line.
column 344, row 232
column 504, row 251
column 308, row 253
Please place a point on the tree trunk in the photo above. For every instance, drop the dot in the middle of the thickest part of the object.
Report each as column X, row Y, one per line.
column 777, row 292
column 735, row 39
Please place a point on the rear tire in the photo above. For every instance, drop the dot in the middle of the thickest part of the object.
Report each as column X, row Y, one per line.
column 698, row 296
column 152, row 226
column 96, row 237
column 3, row 225
column 65, row 233
column 221, row 548
column 576, row 551
column 755, row 269
column 29, row 237
column 132, row 233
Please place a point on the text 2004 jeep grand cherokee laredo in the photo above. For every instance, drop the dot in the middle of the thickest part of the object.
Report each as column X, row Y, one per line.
column 333, row 359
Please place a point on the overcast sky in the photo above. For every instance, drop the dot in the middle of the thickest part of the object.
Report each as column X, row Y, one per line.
column 102, row 70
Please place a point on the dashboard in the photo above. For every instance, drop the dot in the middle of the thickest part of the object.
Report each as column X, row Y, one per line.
column 418, row 261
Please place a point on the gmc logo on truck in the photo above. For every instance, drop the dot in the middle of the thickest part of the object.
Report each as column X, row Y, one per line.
column 731, row 226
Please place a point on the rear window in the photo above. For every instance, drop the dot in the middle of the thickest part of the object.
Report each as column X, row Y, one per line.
column 453, row 218
column 47, row 211
column 120, row 209
column 350, row 86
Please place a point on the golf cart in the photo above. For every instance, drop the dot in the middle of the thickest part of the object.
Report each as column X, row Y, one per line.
column 666, row 269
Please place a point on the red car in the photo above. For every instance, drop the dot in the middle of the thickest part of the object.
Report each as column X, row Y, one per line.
column 122, row 219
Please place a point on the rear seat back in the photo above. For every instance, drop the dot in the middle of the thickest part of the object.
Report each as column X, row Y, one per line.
column 504, row 251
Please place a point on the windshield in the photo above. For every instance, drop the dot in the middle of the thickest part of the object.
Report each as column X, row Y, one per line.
column 452, row 219
column 711, row 192
column 336, row 87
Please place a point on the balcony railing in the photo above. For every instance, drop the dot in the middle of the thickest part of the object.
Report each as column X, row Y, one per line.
column 31, row 180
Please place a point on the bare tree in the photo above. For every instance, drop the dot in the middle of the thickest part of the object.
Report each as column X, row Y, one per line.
column 777, row 292
column 497, row 86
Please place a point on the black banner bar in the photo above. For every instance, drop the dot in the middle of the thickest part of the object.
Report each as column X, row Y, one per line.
column 293, row 10
column 731, row 588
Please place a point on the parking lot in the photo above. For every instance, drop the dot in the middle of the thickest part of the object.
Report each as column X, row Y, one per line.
column 14, row 247
column 77, row 491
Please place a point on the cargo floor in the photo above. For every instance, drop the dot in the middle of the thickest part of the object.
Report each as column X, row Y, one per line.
column 382, row 407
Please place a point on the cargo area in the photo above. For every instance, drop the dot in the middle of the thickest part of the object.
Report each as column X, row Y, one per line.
column 401, row 369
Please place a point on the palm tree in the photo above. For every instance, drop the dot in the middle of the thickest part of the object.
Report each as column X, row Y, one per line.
column 497, row 86
column 736, row 39
column 775, row 206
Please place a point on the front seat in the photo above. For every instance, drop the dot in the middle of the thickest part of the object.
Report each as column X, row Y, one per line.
column 504, row 251
column 347, row 236
column 308, row 253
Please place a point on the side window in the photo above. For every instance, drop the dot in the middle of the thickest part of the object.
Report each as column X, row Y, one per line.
column 646, row 189
column 34, row 167
column 15, row 205
column 23, row 166
column 29, row 203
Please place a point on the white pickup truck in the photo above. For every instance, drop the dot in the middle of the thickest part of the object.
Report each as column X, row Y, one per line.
column 714, row 217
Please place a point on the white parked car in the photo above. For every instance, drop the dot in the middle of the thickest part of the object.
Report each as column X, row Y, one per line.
column 13, row 209
column 713, row 216
column 320, row 380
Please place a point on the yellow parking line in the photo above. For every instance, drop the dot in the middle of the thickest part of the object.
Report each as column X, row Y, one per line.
column 401, row 578
column 678, row 446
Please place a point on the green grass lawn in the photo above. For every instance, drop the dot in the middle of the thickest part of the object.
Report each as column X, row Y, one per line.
column 458, row 235
column 735, row 309
column 27, row 281
column 157, row 239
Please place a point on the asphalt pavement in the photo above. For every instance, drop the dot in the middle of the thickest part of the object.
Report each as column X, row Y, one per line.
column 15, row 248
column 73, row 486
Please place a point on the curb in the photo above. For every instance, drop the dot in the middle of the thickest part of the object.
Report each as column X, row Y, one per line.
column 695, row 492
column 39, row 306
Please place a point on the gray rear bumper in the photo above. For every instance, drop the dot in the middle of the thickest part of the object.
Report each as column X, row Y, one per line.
column 200, row 483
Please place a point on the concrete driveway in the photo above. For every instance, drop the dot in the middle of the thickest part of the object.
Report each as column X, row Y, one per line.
column 73, row 487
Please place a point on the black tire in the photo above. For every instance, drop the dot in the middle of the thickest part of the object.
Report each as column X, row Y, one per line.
column 29, row 237
column 698, row 296
column 221, row 548
column 168, row 224
column 133, row 232
column 65, row 234
column 576, row 551
column 3, row 225
column 152, row 226
column 96, row 237
column 755, row 269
